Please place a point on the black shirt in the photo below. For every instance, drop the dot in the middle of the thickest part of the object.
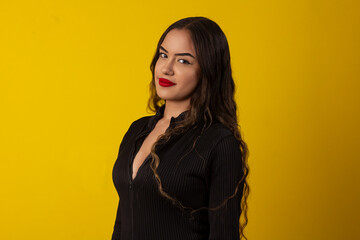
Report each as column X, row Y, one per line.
column 202, row 177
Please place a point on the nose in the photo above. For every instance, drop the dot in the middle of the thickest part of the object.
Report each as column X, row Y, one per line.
column 167, row 68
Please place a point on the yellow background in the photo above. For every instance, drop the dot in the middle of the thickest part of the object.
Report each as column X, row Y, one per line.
column 75, row 74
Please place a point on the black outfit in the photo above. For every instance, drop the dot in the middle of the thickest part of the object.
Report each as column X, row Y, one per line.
column 202, row 177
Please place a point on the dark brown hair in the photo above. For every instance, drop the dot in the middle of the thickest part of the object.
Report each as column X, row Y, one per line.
column 213, row 98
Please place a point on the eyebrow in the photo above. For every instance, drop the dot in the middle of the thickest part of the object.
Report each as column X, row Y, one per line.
column 177, row 54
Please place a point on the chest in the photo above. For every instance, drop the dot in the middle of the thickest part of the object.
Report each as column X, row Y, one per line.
column 182, row 170
column 145, row 147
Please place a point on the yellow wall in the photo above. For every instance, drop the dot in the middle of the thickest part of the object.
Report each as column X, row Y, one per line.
column 75, row 74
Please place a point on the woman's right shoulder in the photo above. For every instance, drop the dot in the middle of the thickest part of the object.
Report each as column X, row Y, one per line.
column 138, row 125
column 134, row 129
column 139, row 122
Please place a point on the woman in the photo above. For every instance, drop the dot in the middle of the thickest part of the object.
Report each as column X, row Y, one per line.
column 181, row 173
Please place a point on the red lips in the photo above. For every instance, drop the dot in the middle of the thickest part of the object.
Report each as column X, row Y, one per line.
column 165, row 83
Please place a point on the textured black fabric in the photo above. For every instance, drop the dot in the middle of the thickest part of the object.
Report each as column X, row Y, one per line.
column 202, row 177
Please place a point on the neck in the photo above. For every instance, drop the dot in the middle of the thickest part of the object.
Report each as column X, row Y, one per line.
column 174, row 109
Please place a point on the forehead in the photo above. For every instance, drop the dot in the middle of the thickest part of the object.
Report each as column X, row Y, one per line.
column 179, row 41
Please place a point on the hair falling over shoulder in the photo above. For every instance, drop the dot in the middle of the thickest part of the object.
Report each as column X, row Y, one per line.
column 213, row 98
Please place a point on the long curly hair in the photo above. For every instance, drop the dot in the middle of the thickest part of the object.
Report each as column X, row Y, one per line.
column 213, row 98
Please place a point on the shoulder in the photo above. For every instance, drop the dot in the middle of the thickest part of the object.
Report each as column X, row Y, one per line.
column 137, row 126
column 140, row 122
column 217, row 132
column 221, row 149
column 215, row 136
column 225, row 155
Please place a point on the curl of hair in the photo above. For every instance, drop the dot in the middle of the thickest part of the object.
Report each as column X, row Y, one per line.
column 213, row 98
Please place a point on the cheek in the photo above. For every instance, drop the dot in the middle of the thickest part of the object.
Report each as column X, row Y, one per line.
column 156, row 67
column 192, row 79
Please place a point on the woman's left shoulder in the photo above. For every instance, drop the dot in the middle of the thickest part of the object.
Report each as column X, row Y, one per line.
column 218, row 130
column 216, row 133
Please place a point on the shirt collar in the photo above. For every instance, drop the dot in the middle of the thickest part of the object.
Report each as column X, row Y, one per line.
column 160, row 113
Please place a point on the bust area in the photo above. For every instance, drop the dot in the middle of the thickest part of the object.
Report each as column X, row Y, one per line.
column 149, row 141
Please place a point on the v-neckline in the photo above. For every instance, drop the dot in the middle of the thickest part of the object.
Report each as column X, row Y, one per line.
column 158, row 116
column 134, row 156
column 142, row 164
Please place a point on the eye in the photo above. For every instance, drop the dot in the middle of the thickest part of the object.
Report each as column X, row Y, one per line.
column 162, row 55
column 184, row 61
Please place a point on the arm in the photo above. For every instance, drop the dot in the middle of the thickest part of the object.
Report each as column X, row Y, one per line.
column 117, row 226
column 225, row 173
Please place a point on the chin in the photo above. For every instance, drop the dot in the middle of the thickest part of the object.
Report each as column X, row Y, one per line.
column 163, row 94
column 165, row 97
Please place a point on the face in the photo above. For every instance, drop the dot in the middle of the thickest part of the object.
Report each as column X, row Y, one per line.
column 177, row 70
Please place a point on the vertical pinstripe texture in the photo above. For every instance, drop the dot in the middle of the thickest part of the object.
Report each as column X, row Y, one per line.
column 203, row 178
